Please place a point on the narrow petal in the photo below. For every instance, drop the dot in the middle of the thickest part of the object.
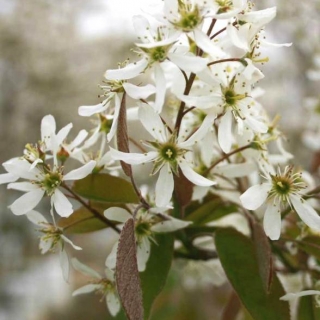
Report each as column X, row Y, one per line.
column 202, row 102
column 200, row 133
column 133, row 158
column 114, row 126
column 143, row 253
column 307, row 214
column 23, row 186
column 61, row 204
column 255, row 196
column 113, row 303
column 172, row 224
column 48, row 127
column 164, row 186
column 192, row 176
column 88, row 111
column 64, row 263
column 130, row 71
column 188, row 63
column 7, row 178
column 236, row 170
column 65, row 239
column 36, row 217
column 161, row 87
column 205, row 44
column 272, row 222
column 137, row 92
column 117, row 214
column 27, row 202
column 62, row 134
column 84, row 269
column 111, row 260
column 291, row 295
column 21, row 168
column 86, row 289
column 78, row 139
column 81, row 172
column 152, row 123
column 225, row 132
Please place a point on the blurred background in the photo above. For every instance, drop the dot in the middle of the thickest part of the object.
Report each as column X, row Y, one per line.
column 53, row 55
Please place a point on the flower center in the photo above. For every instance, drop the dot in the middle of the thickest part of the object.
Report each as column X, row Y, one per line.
column 142, row 228
column 225, row 6
column 105, row 124
column 281, row 185
column 169, row 153
column 51, row 181
column 189, row 18
column 158, row 54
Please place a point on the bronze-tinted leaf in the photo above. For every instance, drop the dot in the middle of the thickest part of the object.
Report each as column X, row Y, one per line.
column 122, row 135
column 106, row 188
column 127, row 274
column 263, row 254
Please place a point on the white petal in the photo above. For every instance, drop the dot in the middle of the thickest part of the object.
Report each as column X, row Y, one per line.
column 46, row 244
column 87, row 111
column 200, row 133
column 26, row 202
column 36, row 217
column 133, row 158
column 272, row 222
column 236, row 170
column 113, row 303
column 111, row 260
column 62, row 134
column 160, row 82
column 152, row 123
column 21, row 168
column 86, row 289
column 64, row 263
column 7, row 178
column 48, row 127
column 202, row 102
column 109, row 274
column 307, row 214
column 78, row 139
column 65, row 239
column 164, row 186
column 117, row 214
column 205, row 44
column 23, row 186
column 255, row 196
column 142, row 28
column 225, row 132
column 84, row 269
column 139, row 92
column 188, row 63
column 143, row 253
column 61, row 204
column 290, row 296
column 172, row 224
column 128, row 72
column 192, row 176
column 81, row 172
column 117, row 107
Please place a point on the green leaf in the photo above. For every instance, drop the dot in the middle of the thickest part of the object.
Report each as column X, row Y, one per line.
column 238, row 257
column 307, row 309
column 210, row 211
column 106, row 188
column 154, row 277
column 82, row 220
column 310, row 245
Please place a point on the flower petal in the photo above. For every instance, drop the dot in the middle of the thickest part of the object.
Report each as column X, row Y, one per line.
column 117, row 214
column 64, row 263
column 87, row 111
column 130, row 71
column 143, row 253
column 86, row 289
column 61, row 204
column 81, row 172
column 272, row 222
column 133, row 158
column 188, row 63
column 161, row 87
column 36, row 217
column 84, row 269
column 113, row 303
column 205, row 44
column 172, row 224
column 7, row 178
column 65, row 239
column 225, row 132
column 291, row 295
column 23, row 186
column 139, row 92
column 111, row 260
column 48, row 127
column 164, row 186
column 27, row 202
column 307, row 214
column 192, row 176
column 255, row 196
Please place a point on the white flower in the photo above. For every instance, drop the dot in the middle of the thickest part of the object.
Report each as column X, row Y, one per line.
column 291, row 295
column 52, row 239
column 167, row 155
column 103, row 285
column 43, row 180
column 146, row 224
column 280, row 190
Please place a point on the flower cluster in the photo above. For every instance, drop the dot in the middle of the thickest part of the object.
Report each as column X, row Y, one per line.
column 194, row 88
